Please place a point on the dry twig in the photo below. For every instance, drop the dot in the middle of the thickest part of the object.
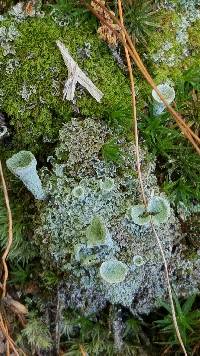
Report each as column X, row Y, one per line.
column 76, row 75
column 9, row 341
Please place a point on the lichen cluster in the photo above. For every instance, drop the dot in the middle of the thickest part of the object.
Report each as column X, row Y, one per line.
column 83, row 227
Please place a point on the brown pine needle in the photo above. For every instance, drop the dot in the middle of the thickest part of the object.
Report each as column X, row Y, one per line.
column 9, row 342
column 10, row 232
column 82, row 350
column 141, row 183
column 133, row 101
column 169, row 290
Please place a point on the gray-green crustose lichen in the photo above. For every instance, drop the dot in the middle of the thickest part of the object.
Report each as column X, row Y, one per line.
column 65, row 220
column 33, row 75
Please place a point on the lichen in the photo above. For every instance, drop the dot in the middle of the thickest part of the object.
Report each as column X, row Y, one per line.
column 113, row 271
column 64, row 221
column 107, row 185
column 138, row 260
column 157, row 210
column 23, row 165
column 96, row 232
column 139, row 215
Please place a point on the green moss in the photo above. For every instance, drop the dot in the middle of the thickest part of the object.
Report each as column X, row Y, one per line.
column 168, row 22
column 23, row 249
column 111, row 151
column 193, row 32
column 101, row 69
column 36, row 333
column 162, row 138
column 30, row 99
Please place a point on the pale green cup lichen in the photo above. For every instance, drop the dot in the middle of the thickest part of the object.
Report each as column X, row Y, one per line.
column 160, row 209
column 169, row 95
column 23, row 165
column 157, row 211
column 138, row 260
column 113, row 271
column 96, row 232
column 107, row 185
column 139, row 214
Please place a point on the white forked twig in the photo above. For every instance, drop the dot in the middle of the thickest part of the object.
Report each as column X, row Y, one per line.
column 75, row 74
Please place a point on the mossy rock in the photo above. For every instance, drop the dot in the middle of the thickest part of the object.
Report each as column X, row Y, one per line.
column 35, row 107
column 173, row 61
column 194, row 35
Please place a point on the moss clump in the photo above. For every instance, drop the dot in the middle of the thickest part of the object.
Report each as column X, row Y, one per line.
column 36, row 334
column 194, row 36
column 32, row 88
column 111, row 151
